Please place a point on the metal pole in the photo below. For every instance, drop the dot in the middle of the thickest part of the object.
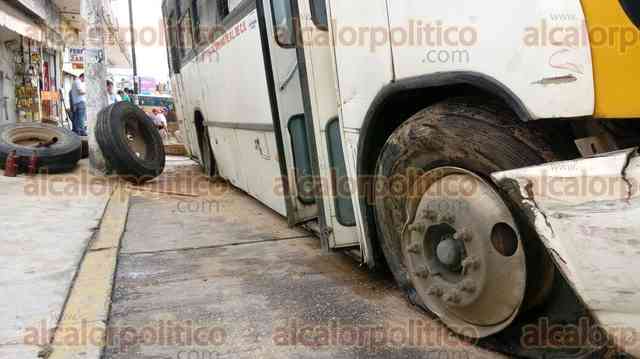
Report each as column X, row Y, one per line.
column 133, row 49
column 95, row 70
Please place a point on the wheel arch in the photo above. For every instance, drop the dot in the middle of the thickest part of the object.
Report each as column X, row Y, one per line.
column 405, row 98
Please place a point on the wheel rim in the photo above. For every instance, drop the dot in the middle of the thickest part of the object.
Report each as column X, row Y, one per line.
column 31, row 137
column 464, row 252
column 135, row 141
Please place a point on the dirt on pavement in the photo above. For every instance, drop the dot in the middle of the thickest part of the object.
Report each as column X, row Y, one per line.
column 218, row 275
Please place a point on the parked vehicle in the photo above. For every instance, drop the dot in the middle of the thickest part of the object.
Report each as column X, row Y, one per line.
column 427, row 136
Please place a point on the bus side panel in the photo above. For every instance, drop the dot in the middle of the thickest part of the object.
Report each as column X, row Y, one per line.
column 228, row 84
column 263, row 176
column 185, row 120
column 530, row 47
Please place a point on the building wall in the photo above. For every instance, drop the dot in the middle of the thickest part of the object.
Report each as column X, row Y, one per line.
column 46, row 10
column 7, row 68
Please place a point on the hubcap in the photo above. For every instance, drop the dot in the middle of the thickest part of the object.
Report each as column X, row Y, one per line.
column 464, row 252
column 450, row 252
column 135, row 140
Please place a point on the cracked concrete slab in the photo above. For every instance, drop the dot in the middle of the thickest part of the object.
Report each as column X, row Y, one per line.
column 203, row 221
column 46, row 228
column 183, row 275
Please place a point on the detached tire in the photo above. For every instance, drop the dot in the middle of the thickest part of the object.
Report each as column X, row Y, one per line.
column 130, row 142
column 61, row 156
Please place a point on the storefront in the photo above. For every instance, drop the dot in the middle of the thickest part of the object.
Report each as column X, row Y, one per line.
column 30, row 70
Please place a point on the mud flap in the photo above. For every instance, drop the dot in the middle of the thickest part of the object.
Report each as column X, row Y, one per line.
column 587, row 213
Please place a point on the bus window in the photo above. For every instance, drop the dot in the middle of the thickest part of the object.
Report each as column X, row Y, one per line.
column 302, row 159
column 196, row 21
column 319, row 14
column 223, row 8
column 185, row 36
column 283, row 23
column 342, row 192
column 173, row 43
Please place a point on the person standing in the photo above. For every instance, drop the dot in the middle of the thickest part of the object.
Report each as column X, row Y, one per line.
column 79, row 106
column 160, row 121
column 125, row 95
column 113, row 97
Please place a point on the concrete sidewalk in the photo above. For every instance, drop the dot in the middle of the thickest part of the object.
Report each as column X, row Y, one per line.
column 47, row 223
column 222, row 276
column 203, row 271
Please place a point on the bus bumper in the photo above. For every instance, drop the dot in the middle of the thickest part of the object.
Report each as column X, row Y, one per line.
column 587, row 213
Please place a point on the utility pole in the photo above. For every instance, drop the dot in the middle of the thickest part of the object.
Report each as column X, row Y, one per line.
column 133, row 49
column 95, row 70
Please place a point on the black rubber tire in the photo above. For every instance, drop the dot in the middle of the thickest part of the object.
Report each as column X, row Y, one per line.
column 112, row 138
column 468, row 133
column 208, row 160
column 62, row 156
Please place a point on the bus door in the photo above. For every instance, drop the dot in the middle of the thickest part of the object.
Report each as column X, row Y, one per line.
column 290, row 123
column 319, row 86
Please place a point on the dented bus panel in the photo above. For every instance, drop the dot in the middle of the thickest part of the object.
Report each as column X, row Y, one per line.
column 587, row 214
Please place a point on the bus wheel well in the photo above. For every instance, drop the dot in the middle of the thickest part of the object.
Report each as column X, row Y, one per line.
column 198, row 120
column 206, row 157
column 394, row 110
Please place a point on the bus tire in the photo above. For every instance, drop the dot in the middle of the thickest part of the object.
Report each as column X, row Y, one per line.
column 61, row 156
column 428, row 247
column 208, row 159
column 130, row 142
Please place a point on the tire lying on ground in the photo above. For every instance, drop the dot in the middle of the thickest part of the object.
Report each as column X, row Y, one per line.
column 62, row 155
column 130, row 142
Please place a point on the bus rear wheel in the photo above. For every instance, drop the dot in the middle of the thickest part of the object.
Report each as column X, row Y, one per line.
column 451, row 239
column 208, row 160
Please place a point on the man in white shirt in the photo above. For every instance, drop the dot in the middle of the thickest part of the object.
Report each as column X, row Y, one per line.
column 79, row 105
column 160, row 121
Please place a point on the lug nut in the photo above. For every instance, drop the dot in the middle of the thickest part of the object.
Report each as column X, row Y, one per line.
column 417, row 227
column 446, row 218
column 468, row 286
column 422, row 272
column 429, row 215
column 462, row 235
column 452, row 297
column 470, row 263
column 436, row 291
column 415, row 248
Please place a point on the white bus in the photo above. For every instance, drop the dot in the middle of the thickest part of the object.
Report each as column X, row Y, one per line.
column 425, row 137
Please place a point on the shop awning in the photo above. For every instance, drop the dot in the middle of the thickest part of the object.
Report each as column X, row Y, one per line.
column 17, row 22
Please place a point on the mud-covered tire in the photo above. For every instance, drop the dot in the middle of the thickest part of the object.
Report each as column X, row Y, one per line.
column 468, row 133
column 208, row 160
column 120, row 128
column 62, row 156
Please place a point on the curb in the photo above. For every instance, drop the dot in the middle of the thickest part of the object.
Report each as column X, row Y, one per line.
column 82, row 330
